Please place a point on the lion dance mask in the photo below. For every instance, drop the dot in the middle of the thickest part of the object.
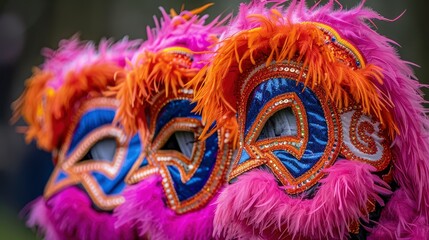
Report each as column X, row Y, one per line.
column 172, row 188
column 332, row 138
column 68, row 115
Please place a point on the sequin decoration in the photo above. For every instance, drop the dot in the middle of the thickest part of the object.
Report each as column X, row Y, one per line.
column 102, row 179
column 189, row 182
column 296, row 160
column 181, row 56
column 342, row 50
column 364, row 139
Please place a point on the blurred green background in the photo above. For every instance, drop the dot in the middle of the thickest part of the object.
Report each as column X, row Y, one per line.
column 26, row 26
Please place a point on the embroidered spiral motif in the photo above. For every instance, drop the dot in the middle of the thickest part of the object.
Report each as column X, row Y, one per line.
column 364, row 139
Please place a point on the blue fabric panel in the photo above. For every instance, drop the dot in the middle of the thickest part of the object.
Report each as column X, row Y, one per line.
column 317, row 125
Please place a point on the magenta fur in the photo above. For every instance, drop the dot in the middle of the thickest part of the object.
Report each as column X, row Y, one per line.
column 74, row 55
column 70, row 215
column 39, row 216
column 401, row 220
column 145, row 210
column 192, row 33
column 256, row 200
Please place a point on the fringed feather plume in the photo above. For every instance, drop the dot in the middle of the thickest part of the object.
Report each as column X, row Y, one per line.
column 74, row 72
column 156, row 65
column 39, row 217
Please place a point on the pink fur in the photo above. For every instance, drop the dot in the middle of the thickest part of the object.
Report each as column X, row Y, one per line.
column 73, row 55
column 69, row 215
column 39, row 215
column 146, row 211
column 257, row 200
column 401, row 220
column 192, row 33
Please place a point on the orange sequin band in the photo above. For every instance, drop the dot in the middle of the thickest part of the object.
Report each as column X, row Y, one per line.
column 181, row 56
column 342, row 49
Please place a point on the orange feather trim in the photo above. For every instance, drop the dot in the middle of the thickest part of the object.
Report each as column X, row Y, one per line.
column 278, row 41
column 48, row 111
column 151, row 73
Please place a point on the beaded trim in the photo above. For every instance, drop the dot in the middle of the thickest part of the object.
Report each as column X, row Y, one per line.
column 186, row 166
column 80, row 172
column 182, row 56
column 138, row 173
column 261, row 151
column 343, row 50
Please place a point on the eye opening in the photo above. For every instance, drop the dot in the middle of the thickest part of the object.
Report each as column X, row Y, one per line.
column 181, row 141
column 280, row 124
column 104, row 149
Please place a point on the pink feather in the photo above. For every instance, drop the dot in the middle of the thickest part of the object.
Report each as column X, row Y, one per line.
column 145, row 210
column 70, row 215
column 192, row 33
column 73, row 55
column 39, row 216
column 401, row 220
column 256, row 200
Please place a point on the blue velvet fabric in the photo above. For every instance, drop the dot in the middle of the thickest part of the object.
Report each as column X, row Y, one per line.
column 117, row 184
column 183, row 108
column 317, row 125
column 201, row 175
column 174, row 109
column 89, row 122
column 61, row 176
